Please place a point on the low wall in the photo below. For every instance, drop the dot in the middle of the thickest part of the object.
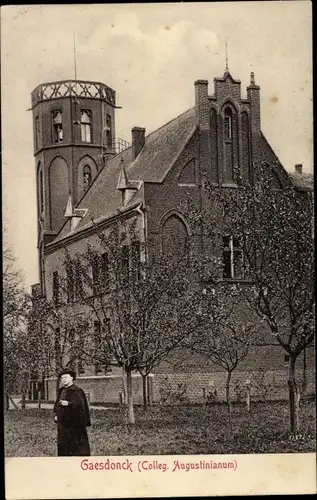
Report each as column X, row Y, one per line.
column 104, row 388
column 269, row 386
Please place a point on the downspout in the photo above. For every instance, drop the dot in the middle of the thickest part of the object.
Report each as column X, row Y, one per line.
column 141, row 211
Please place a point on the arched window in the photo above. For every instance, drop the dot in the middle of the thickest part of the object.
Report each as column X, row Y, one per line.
column 174, row 236
column 230, row 146
column 228, row 124
column 87, row 177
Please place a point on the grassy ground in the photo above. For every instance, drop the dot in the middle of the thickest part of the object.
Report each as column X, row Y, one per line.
column 169, row 431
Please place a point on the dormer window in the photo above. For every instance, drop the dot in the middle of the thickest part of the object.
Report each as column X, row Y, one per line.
column 87, row 177
column 228, row 124
column 85, row 125
column 57, row 126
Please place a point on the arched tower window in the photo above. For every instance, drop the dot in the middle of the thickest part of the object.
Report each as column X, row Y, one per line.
column 58, row 191
column 87, row 177
column 228, row 124
column 41, row 192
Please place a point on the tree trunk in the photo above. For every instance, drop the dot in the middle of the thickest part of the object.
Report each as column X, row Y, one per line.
column 304, row 387
column 145, row 392
column 124, row 385
column 228, row 394
column 131, row 418
column 293, row 397
column 149, row 397
column 23, row 399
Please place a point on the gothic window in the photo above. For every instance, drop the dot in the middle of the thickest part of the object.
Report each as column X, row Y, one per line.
column 85, row 125
column 37, row 133
column 232, row 258
column 109, row 131
column 56, row 289
column 87, row 177
column 57, row 126
column 174, row 238
column 228, row 124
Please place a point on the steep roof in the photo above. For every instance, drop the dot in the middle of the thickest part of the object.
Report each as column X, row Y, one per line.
column 103, row 200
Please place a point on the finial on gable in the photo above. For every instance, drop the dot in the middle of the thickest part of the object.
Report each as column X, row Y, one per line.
column 226, row 50
column 123, row 178
column 69, row 207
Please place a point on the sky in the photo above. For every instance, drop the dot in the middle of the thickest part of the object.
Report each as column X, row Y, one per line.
column 151, row 54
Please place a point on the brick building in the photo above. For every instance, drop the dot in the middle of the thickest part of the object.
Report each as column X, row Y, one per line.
column 84, row 171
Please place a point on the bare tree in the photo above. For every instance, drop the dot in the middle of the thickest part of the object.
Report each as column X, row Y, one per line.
column 55, row 334
column 143, row 307
column 270, row 231
column 224, row 334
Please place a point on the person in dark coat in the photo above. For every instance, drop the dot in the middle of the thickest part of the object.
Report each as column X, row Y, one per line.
column 71, row 413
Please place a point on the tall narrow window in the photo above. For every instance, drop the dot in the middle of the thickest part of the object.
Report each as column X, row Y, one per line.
column 125, row 263
column 135, row 261
column 232, row 258
column 78, row 283
column 57, row 126
column 70, row 283
column 85, row 125
column 109, row 131
column 87, row 177
column 37, row 133
column 95, row 270
column 228, row 124
column 41, row 192
column 56, row 290
column 105, row 276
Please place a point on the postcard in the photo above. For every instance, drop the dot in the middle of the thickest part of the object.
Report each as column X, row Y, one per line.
column 158, row 276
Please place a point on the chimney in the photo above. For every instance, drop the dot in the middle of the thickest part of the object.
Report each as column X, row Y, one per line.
column 299, row 168
column 202, row 104
column 138, row 141
column 36, row 290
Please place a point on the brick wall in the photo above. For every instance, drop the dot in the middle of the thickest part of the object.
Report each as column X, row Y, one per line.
column 105, row 388
column 265, row 386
